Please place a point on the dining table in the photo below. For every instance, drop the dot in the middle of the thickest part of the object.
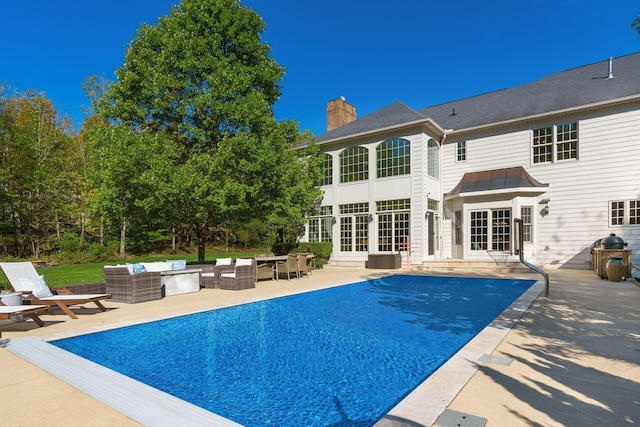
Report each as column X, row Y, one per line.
column 274, row 259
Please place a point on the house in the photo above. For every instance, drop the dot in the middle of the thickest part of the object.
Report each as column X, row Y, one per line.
column 562, row 154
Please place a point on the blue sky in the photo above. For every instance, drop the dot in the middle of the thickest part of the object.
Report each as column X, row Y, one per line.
column 373, row 53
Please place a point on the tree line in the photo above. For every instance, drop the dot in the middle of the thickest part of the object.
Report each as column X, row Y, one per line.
column 182, row 149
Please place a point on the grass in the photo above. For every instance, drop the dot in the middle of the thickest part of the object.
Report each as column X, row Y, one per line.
column 77, row 274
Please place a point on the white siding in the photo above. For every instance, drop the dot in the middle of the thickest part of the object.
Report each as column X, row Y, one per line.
column 608, row 169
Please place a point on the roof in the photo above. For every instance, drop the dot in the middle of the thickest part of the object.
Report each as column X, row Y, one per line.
column 577, row 87
column 497, row 180
column 397, row 113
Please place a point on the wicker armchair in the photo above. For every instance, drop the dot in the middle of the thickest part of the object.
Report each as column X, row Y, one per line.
column 304, row 265
column 132, row 288
column 242, row 277
column 289, row 266
column 210, row 275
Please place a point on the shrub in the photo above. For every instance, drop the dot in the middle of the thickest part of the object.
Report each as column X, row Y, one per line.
column 321, row 251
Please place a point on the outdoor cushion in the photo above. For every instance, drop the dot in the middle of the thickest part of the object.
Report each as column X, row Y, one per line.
column 243, row 261
column 139, row 268
column 178, row 264
column 228, row 275
column 223, row 261
column 37, row 285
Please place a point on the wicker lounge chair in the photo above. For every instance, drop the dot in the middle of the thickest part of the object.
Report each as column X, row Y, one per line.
column 130, row 288
column 290, row 266
column 242, row 277
column 24, row 278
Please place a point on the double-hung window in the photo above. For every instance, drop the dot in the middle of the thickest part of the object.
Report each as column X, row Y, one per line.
column 555, row 143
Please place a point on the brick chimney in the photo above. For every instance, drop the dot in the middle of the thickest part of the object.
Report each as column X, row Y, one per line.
column 339, row 112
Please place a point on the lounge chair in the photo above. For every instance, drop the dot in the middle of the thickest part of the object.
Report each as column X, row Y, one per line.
column 8, row 311
column 243, row 275
column 289, row 266
column 24, row 278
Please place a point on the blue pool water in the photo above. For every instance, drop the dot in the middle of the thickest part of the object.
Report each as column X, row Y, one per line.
column 341, row 356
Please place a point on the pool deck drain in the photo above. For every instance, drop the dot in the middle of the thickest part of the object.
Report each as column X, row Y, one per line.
column 451, row 418
column 495, row 360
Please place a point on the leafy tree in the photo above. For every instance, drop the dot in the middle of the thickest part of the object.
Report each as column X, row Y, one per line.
column 203, row 78
column 636, row 24
column 38, row 161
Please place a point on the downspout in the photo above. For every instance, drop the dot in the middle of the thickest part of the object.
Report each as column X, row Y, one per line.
column 520, row 251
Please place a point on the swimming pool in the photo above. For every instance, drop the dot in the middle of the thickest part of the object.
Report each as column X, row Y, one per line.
column 341, row 355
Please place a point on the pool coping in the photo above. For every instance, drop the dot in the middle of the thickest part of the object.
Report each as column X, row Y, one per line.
column 150, row 406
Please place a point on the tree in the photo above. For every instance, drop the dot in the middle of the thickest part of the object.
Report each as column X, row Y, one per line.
column 203, row 78
column 636, row 24
column 37, row 170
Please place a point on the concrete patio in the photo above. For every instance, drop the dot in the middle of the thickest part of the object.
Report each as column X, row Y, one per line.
column 575, row 356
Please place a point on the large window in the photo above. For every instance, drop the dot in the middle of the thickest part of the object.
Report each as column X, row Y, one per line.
column 393, row 225
column 354, row 164
column 501, row 229
column 490, row 229
column 433, row 159
column 393, row 158
column 559, row 139
column 321, row 225
column 479, row 230
column 327, row 165
column 623, row 212
column 354, row 227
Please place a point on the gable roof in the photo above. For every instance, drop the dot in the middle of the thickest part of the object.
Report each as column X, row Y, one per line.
column 497, row 181
column 574, row 88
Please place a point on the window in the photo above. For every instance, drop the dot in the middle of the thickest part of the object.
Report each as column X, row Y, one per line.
column 617, row 213
column 433, row 159
column 461, row 151
column 393, row 158
column 321, row 224
column 561, row 139
column 501, row 229
column 479, row 231
column 354, row 227
column 542, row 145
column 393, row 225
column 354, row 164
column 634, row 212
column 497, row 237
column 567, row 144
column 458, row 227
column 433, row 205
column 526, row 216
column 327, row 165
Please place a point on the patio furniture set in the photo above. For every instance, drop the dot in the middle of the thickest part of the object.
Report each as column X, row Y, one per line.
column 135, row 283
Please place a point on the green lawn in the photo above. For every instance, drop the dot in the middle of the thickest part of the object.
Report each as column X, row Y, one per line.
column 77, row 274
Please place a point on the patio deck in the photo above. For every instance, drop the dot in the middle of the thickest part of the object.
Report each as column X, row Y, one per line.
column 575, row 357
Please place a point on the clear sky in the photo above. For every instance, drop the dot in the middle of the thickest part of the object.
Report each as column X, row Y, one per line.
column 374, row 53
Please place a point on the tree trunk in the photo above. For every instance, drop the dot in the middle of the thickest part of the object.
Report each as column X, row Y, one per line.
column 122, row 237
column 201, row 236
